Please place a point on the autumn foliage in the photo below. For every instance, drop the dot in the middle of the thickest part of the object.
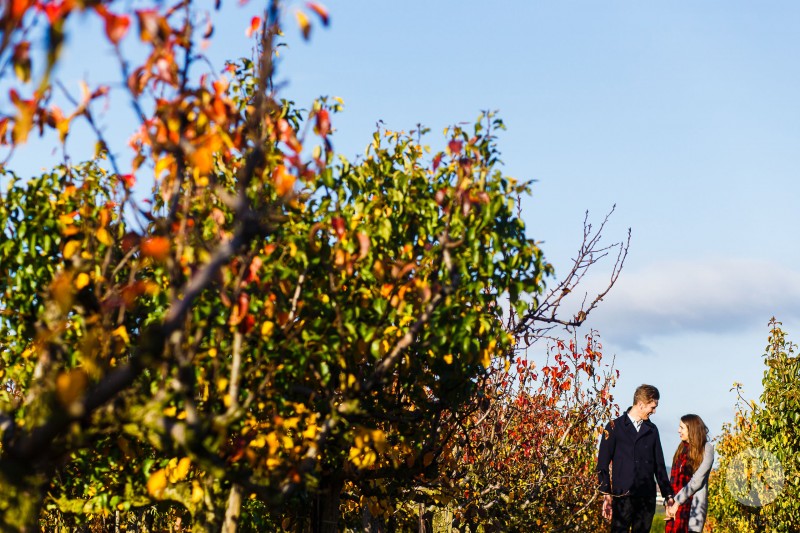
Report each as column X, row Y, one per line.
column 274, row 336
column 765, row 495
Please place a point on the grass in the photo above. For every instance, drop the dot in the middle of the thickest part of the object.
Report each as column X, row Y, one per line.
column 658, row 521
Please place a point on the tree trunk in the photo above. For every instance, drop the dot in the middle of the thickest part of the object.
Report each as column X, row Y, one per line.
column 233, row 510
column 325, row 516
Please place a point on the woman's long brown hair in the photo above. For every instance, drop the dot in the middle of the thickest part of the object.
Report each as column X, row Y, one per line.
column 698, row 437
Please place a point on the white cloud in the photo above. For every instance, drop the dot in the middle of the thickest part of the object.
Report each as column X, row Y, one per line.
column 711, row 296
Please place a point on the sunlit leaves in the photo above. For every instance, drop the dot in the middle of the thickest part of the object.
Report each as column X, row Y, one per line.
column 337, row 314
column 529, row 433
column 770, row 425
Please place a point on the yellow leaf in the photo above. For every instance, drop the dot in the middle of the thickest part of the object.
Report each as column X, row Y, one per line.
column 104, row 236
column 486, row 358
column 311, row 432
column 164, row 163
column 267, row 328
column 82, row 280
column 157, row 483
column 71, row 248
column 181, row 470
column 197, row 492
column 448, row 359
column 305, row 25
column 273, row 443
column 122, row 334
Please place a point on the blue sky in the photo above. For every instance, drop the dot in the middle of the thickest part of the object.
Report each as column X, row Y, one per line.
column 684, row 114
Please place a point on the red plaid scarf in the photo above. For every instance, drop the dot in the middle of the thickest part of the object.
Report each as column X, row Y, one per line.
column 681, row 475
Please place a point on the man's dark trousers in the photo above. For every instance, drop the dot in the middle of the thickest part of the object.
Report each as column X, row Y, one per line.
column 632, row 514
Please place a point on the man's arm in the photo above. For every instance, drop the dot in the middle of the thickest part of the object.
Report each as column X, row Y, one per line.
column 700, row 476
column 661, row 469
column 608, row 444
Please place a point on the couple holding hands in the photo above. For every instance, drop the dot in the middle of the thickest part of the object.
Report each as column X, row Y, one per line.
column 631, row 460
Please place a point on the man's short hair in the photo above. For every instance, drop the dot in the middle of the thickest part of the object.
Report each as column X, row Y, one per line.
column 645, row 394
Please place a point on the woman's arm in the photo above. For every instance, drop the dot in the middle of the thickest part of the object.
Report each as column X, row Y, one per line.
column 700, row 476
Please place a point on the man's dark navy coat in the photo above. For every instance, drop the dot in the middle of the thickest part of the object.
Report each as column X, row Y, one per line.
column 636, row 459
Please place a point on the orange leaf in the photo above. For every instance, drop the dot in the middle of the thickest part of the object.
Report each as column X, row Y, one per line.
column 284, row 182
column 321, row 12
column 116, row 26
column 19, row 7
column 155, row 247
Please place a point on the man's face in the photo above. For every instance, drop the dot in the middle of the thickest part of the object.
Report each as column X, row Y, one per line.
column 646, row 410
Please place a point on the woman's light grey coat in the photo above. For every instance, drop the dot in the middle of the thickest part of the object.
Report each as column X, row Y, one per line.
column 697, row 490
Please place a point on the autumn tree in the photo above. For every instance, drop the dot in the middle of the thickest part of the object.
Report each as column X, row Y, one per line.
column 273, row 323
column 527, row 458
column 756, row 486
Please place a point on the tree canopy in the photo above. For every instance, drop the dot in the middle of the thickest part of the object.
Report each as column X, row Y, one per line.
column 274, row 327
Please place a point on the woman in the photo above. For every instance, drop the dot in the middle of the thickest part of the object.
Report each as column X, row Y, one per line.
column 690, row 468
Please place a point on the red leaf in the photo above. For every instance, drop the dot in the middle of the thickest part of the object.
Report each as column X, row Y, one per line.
column 455, row 146
column 437, row 161
column 116, row 25
column 322, row 124
column 255, row 22
column 128, row 179
column 338, row 226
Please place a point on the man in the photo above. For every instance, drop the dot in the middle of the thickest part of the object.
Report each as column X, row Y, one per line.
column 631, row 446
